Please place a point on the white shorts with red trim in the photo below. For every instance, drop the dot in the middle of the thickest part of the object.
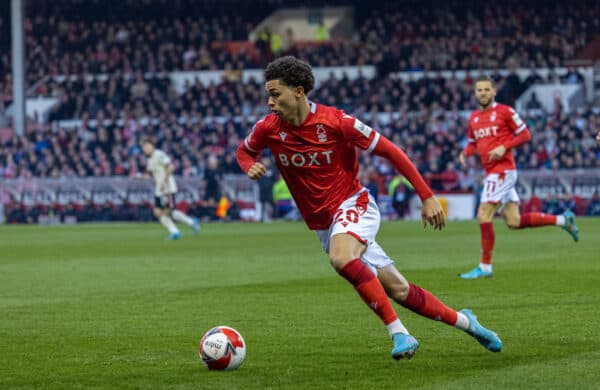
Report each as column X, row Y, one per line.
column 500, row 188
column 359, row 216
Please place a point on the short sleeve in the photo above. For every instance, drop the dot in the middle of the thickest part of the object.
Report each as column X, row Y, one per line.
column 514, row 121
column 357, row 133
column 164, row 159
column 255, row 140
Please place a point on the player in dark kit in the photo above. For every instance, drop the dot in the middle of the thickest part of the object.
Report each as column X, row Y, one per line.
column 314, row 147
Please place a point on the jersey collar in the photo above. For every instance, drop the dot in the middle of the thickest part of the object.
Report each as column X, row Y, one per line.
column 489, row 108
column 309, row 117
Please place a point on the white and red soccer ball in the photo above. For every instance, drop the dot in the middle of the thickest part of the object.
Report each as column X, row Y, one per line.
column 222, row 348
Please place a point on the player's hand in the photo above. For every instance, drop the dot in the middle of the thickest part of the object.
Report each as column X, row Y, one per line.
column 463, row 159
column 432, row 213
column 497, row 153
column 257, row 171
column 163, row 185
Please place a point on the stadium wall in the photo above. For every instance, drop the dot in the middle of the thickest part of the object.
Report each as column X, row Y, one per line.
column 58, row 194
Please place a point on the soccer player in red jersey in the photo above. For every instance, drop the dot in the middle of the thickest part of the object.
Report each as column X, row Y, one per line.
column 494, row 130
column 314, row 147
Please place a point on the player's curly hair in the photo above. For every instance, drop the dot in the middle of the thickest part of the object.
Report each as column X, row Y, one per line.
column 292, row 72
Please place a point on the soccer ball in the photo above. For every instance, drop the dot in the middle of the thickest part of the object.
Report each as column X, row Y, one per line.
column 222, row 348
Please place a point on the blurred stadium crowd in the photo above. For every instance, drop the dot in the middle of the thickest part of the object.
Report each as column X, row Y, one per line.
column 131, row 44
column 430, row 127
column 73, row 37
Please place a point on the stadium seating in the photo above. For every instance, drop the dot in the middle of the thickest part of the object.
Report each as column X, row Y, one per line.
column 118, row 36
column 109, row 70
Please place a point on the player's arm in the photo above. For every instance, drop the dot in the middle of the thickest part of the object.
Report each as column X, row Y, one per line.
column 469, row 150
column 248, row 152
column 370, row 140
column 519, row 129
column 143, row 175
column 598, row 139
column 470, row 147
column 169, row 169
column 432, row 212
column 247, row 160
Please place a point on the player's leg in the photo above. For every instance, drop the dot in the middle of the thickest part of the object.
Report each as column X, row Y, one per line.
column 354, row 228
column 485, row 217
column 514, row 220
column 428, row 305
column 179, row 216
column 495, row 188
column 345, row 251
column 167, row 222
column 511, row 215
column 162, row 214
column 417, row 299
column 565, row 221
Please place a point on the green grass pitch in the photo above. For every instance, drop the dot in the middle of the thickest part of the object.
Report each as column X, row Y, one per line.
column 118, row 307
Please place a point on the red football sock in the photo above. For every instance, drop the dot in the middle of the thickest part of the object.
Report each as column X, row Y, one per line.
column 487, row 241
column 426, row 304
column 536, row 220
column 370, row 289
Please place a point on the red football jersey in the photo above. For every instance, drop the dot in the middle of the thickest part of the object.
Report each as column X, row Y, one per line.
column 318, row 159
column 491, row 128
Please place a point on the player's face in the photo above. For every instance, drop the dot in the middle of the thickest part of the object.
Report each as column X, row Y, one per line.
column 283, row 100
column 484, row 93
column 147, row 148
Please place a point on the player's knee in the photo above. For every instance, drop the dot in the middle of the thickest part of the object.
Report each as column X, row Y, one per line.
column 483, row 217
column 339, row 260
column 399, row 291
column 512, row 222
column 157, row 213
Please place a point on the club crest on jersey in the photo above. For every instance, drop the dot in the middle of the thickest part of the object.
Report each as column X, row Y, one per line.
column 493, row 116
column 321, row 134
column 282, row 135
column 476, row 119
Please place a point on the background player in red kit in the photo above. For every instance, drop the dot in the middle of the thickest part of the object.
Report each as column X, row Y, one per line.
column 315, row 150
column 494, row 130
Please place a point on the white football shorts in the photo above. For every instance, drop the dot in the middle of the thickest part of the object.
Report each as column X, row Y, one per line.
column 500, row 188
column 359, row 216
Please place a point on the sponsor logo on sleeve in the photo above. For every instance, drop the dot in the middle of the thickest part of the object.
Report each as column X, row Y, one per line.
column 362, row 128
column 517, row 119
